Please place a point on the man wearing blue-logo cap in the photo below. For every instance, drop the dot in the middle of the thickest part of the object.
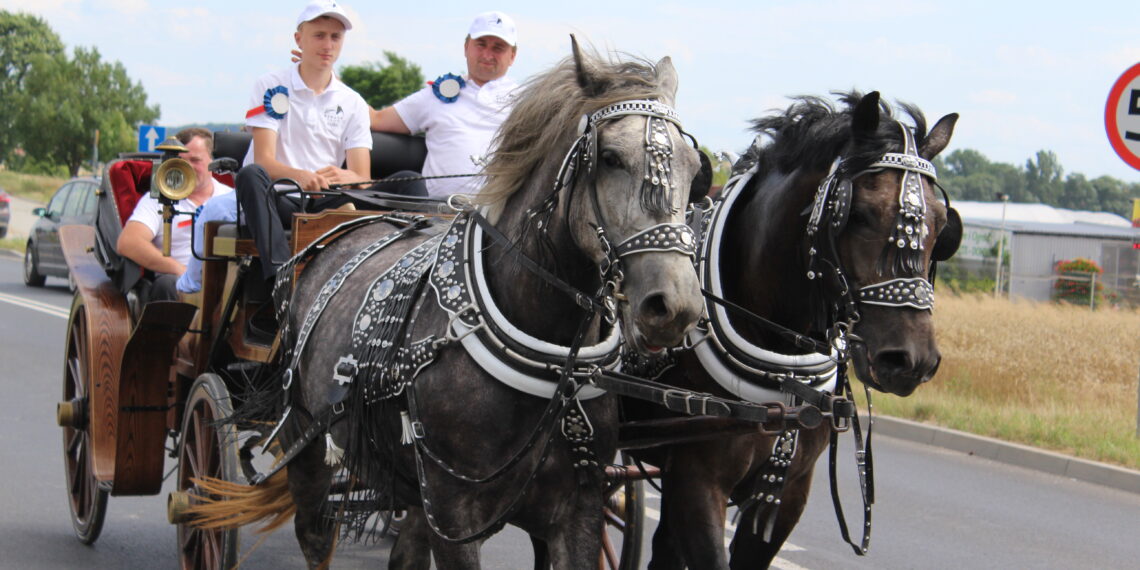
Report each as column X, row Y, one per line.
column 459, row 115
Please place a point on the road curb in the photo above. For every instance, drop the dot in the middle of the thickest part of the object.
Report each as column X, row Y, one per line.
column 1011, row 453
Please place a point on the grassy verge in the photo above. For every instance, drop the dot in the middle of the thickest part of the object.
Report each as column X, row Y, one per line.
column 15, row 244
column 1055, row 377
column 30, row 186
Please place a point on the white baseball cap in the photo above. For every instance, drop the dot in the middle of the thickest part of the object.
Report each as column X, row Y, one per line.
column 319, row 8
column 495, row 24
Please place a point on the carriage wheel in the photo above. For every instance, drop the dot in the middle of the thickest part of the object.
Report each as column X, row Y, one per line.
column 87, row 499
column 207, row 449
column 624, row 512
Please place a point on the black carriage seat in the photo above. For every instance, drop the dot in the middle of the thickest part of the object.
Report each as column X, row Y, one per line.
column 391, row 153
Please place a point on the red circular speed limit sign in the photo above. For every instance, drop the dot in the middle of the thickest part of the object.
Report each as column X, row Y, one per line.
column 1122, row 116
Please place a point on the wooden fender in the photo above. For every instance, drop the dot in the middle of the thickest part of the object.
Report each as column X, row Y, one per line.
column 144, row 396
column 130, row 372
column 108, row 327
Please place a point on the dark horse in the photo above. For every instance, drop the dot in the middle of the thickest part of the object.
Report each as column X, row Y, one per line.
column 829, row 230
column 443, row 366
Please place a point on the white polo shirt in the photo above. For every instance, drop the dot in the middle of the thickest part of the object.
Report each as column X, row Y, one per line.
column 317, row 130
column 456, row 132
column 148, row 212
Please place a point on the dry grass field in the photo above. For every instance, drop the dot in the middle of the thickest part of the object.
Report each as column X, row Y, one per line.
column 30, row 186
column 1056, row 377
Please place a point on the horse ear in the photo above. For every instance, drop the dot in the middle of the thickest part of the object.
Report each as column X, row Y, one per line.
column 949, row 238
column 588, row 80
column 865, row 116
column 702, row 182
column 939, row 137
column 667, row 80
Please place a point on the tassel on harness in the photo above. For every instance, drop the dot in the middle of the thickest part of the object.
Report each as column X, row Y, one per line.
column 333, row 454
column 406, row 434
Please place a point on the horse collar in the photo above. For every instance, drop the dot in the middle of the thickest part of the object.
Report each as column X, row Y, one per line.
column 515, row 358
column 745, row 369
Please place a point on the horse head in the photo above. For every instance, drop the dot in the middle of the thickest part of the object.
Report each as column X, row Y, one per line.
column 619, row 192
column 890, row 226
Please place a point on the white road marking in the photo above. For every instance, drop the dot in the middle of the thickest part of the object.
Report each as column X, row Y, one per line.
column 35, row 305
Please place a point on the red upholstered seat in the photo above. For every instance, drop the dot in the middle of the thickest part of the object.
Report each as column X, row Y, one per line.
column 130, row 179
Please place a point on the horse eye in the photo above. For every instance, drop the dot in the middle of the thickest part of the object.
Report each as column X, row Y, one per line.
column 611, row 159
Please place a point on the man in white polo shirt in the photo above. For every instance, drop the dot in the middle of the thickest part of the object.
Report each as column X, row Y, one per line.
column 141, row 239
column 305, row 124
column 460, row 115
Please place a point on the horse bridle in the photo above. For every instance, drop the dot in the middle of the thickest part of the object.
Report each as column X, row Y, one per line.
column 828, row 218
column 657, row 184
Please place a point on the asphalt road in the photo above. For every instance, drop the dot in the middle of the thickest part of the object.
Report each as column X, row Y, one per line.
column 935, row 509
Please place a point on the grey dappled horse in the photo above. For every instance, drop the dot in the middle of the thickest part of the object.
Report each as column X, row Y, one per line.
column 589, row 180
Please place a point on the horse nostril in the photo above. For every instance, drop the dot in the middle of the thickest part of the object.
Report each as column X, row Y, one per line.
column 654, row 308
column 893, row 360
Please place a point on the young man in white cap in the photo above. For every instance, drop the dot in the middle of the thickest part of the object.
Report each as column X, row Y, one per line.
column 459, row 115
column 305, row 124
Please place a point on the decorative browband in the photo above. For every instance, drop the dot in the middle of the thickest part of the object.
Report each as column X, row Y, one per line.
column 909, row 162
column 638, row 107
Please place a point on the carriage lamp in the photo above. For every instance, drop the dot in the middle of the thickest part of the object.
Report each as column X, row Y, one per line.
column 173, row 180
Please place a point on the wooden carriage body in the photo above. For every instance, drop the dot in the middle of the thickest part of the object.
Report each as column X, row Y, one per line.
column 130, row 367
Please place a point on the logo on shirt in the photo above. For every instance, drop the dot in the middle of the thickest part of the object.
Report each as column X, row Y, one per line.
column 334, row 116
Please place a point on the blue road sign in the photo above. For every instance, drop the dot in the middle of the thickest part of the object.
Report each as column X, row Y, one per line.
column 150, row 136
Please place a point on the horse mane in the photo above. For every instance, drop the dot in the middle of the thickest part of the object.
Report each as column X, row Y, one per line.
column 548, row 106
column 812, row 132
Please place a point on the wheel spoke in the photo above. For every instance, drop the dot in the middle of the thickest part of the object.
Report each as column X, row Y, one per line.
column 613, row 519
column 608, row 549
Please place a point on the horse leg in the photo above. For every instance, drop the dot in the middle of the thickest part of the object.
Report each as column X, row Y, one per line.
column 411, row 551
column 576, row 541
column 665, row 555
column 309, row 482
column 541, row 553
column 694, row 505
column 449, row 555
column 749, row 549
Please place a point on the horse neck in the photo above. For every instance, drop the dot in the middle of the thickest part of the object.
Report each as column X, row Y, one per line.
column 763, row 265
column 527, row 300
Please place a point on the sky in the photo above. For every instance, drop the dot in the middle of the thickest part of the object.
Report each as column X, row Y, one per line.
column 1023, row 77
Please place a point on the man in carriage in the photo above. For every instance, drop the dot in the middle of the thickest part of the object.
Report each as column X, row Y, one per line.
column 141, row 239
column 305, row 124
column 459, row 116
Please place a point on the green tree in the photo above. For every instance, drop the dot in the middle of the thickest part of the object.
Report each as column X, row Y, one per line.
column 383, row 84
column 1115, row 196
column 966, row 162
column 1079, row 193
column 1043, row 177
column 22, row 38
column 66, row 100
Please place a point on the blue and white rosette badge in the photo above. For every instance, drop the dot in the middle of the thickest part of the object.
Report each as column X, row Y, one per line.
column 447, row 87
column 275, row 104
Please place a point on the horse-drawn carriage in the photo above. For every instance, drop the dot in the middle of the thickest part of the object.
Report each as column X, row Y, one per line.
column 583, row 227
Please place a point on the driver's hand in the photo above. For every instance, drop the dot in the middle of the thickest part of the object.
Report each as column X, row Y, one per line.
column 311, row 181
column 336, row 175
